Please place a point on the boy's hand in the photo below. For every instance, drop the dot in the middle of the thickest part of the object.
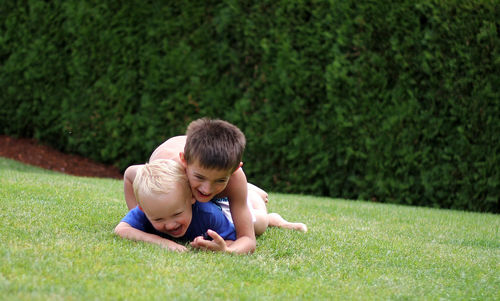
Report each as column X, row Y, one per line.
column 217, row 244
column 172, row 246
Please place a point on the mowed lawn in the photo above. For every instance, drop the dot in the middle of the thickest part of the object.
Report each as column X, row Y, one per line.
column 57, row 243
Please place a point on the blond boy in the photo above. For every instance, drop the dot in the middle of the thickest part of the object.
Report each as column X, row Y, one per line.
column 168, row 214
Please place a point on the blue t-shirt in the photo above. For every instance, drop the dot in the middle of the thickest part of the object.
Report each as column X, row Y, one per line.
column 205, row 216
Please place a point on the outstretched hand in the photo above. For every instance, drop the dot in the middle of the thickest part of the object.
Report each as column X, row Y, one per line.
column 172, row 246
column 217, row 244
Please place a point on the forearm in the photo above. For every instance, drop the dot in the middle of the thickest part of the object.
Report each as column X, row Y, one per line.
column 126, row 231
column 242, row 218
column 245, row 242
column 243, row 245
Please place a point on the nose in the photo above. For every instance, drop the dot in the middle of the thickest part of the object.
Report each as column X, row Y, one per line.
column 206, row 188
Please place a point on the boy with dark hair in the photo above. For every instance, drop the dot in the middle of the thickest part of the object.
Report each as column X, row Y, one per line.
column 211, row 154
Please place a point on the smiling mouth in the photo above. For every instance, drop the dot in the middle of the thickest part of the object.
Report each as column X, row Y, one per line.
column 176, row 232
column 202, row 194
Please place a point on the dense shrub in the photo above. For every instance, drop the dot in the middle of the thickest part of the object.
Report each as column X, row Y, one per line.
column 390, row 101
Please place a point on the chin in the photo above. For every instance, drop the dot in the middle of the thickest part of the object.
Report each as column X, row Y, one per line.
column 177, row 236
column 204, row 199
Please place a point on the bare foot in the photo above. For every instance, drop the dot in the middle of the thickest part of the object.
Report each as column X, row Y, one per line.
column 275, row 220
column 297, row 226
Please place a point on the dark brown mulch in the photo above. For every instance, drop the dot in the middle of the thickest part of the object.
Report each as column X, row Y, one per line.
column 31, row 152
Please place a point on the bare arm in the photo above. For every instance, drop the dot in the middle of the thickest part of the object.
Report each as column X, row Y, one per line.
column 124, row 230
column 128, row 189
column 236, row 191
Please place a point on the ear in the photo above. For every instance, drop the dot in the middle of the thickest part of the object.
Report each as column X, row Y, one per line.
column 239, row 166
column 193, row 200
column 183, row 160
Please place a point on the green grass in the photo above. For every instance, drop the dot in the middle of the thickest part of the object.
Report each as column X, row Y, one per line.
column 57, row 242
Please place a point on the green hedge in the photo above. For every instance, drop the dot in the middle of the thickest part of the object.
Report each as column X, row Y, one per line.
column 389, row 101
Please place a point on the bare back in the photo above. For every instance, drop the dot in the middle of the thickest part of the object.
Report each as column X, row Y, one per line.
column 169, row 149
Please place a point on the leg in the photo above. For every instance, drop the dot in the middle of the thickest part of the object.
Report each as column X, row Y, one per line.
column 275, row 220
column 264, row 219
column 259, row 211
column 128, row 189
column 261, row 192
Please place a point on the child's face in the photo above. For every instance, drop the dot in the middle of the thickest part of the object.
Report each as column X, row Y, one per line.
column 170, row 213
column 206, row 183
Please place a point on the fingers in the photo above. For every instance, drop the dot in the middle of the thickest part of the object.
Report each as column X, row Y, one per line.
column 217, row 244
column 216, row 237
column 198, row 242
column 178, row 248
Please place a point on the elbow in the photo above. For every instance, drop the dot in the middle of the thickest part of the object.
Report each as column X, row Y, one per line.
column 253, row 248
column 119, row 230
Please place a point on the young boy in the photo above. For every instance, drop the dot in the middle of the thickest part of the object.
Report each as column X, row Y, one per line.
column 167, row 210
column 211, row 153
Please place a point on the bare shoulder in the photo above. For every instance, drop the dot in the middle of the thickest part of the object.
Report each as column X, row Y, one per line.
column 169, row 149
column 237, row 186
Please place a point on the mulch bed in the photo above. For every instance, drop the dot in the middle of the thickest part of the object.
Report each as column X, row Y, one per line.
column 32, row 152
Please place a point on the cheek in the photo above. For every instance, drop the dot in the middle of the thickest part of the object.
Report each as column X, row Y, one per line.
column 186, row 218
column 157, row 226
column 220, row 186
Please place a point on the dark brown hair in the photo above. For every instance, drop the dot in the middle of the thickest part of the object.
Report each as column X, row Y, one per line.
column 215, row 144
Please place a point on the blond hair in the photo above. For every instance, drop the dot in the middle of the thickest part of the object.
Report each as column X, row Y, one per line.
column 159, row 177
